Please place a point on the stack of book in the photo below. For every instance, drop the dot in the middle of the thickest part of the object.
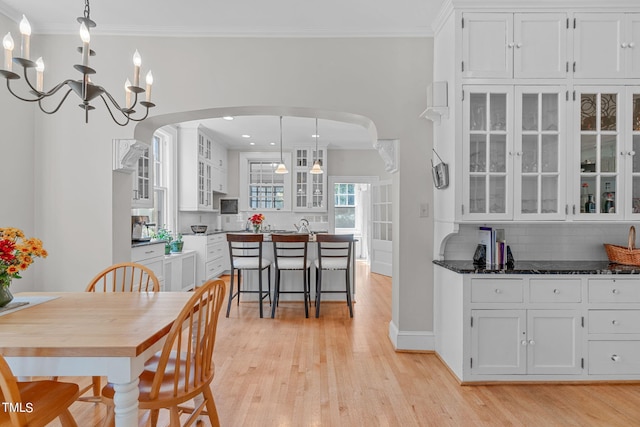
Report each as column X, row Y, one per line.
column 495, row 244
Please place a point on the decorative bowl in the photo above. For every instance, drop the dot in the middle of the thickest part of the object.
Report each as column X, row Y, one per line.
column 199, row 229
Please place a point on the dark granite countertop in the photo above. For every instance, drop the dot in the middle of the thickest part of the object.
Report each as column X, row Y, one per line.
column 542, row 267
column 135, row 244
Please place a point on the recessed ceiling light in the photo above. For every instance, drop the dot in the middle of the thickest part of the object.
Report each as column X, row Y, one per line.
column 246, row 136
column 252, row 143
column 272, row 143
column 315, row 136
column 228, row 118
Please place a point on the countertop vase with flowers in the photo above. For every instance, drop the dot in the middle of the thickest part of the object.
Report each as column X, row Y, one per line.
column 16, row 255
column 5, row 293
column 256, row 220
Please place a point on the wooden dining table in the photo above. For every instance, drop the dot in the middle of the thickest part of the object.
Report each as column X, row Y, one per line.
column 91, row 334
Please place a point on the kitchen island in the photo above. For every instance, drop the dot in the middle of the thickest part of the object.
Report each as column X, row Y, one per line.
column 538, row 321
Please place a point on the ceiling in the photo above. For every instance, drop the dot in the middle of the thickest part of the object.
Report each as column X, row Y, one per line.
column 252, row 18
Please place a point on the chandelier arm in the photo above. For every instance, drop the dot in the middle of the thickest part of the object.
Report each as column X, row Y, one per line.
column 111, row 113
column 59, row 104
column 112, row 99
column 141, row 119
column 18, row 96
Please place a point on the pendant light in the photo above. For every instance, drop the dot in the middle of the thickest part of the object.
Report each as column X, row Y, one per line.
column 281, row 169
column 317, row 165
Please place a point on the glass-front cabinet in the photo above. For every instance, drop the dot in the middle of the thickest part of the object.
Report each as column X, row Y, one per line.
column 310, row 189
column 143, row 181
column 514, row 152
column 539, row 152
column 602, row 153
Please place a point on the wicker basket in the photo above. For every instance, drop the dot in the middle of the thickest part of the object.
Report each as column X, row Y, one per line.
column 628, row 255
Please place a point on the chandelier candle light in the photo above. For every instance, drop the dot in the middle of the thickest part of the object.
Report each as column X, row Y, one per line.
column 84, row 88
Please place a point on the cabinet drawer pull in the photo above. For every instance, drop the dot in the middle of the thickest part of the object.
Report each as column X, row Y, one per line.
column 148, row 252
column 615, row 357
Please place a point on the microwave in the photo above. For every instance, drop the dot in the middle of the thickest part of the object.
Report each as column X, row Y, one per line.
column 229, row 206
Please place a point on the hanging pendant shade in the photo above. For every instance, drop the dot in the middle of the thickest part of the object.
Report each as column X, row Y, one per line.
column 281, row 169
column 317, row 165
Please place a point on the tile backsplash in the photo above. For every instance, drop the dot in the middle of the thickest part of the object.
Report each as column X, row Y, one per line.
column 546, row 241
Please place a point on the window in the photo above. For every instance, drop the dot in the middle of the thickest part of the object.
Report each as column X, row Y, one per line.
column 260, row 187
column 266, row 188
column 345, row 205
column 164, row 208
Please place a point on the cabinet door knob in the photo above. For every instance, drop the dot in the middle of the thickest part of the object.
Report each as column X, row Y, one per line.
column 632, row 153
column 532, row 342
column 510, row 45
column 556, row 291
column 498, row 291
column 523, row 342
column 632, row 45
column 614, row 322
column 615, row 291
column 518, row 45
column 623, row 45
column 615, row 357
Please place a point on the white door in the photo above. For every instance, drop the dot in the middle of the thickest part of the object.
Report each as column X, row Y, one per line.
column 381, row 245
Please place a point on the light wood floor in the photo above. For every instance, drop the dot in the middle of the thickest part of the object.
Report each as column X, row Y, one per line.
column 337, row 371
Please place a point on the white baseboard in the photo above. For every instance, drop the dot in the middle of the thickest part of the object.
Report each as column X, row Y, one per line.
column 411, row 340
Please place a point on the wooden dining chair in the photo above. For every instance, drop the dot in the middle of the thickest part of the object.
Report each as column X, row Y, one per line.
column 125, row 277
column 122, row 277
column 184, row 369
column 34, row 403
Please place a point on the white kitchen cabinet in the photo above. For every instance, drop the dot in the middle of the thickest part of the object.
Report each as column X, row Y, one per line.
column 514, row 152
column 201, row 168
column 180, row 271
column 151, row 256
column 212, row 258
column 310, row 189
column 520, row 45
column 522, row 342
column 142, row 196
column 607, row 45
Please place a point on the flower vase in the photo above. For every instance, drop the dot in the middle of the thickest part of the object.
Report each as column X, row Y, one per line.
column 256, row 228
column 5, row 293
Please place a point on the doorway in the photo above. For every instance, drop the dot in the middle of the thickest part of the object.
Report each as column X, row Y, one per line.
column 350, row 210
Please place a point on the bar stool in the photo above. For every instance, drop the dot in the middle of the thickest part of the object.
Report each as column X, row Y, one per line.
column 334, row 253
column 245, row 253
column 290, row 253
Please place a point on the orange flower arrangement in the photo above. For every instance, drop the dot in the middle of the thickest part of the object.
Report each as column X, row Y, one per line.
column 256, row 220
column 17, row 253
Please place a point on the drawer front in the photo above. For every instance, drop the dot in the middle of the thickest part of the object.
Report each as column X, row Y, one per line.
column 141, row 253
column 497, row 290
column 614, row 290
column 614, row 321
column 213, row 269
column 614, row 357
column 550, row 290
column 216, row 238
column 215, row 251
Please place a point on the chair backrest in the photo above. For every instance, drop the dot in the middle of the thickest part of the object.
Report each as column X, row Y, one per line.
column 191, row 341
column 243, row 246
column 290, row 246
column 125, row 277
column 334, row 247
column 11, row 393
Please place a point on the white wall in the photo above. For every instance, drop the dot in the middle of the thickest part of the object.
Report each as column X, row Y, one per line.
column 17, row 170
column 384, row 79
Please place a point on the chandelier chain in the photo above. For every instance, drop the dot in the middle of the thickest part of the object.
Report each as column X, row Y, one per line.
column 87, row 9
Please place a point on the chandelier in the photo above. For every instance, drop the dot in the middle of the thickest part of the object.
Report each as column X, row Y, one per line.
column 86, row 90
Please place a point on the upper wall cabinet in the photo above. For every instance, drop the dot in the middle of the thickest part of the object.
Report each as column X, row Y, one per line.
column 143, row 180
column 607, row 45
column 201, row 169
column 310, row 189
column 519, row 45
